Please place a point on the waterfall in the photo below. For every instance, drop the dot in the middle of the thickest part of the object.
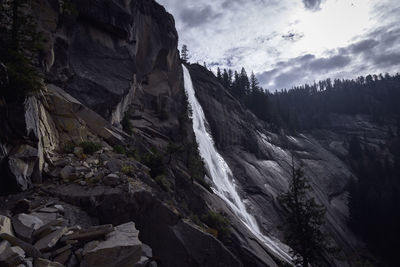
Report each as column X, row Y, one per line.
column 223, row 182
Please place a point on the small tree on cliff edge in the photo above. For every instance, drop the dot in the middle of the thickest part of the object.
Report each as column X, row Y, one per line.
column 185, row 53
column 305, row 218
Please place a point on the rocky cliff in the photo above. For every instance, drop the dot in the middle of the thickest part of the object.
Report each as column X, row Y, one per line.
column 110, row 136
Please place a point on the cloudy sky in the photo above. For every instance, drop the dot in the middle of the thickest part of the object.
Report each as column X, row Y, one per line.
column 291, row 42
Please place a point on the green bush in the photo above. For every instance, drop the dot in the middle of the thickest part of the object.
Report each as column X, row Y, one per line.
column 119, row 149
column 69, row 147
column 131, row 153
column 195, row 166
column 163, row 183
column 90, row 147
column 195, row 219
column 23, row 77
column 218, row 222
column 127, row 169
column 21, row 44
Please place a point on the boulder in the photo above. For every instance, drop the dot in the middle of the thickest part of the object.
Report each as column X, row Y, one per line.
column 10, row 256
column 5, row 225
column 67, row 172
column 111, row 179
column 60, row 208
column 49, row 241
column 114, row 165
column 24, row 225
column 45, row 217
column 122, row 247
column 62, row 162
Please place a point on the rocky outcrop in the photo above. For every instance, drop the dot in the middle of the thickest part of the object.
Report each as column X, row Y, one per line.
column 104, row 52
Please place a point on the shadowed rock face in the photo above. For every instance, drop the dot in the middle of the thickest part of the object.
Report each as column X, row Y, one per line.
column 261, row 160
column 109, row 48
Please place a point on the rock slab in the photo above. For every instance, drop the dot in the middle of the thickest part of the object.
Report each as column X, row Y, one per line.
column 122, row 247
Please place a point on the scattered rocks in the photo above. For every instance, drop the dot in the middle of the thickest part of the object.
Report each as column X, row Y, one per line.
column 101, row 245
column 93, row 161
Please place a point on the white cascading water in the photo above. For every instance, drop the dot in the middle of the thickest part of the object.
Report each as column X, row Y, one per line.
column 224, row 184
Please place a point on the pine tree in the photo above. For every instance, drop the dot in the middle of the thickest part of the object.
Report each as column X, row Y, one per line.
column 225, row 79
column 303, row 229
column 244, row 81
column 185, row 53
column 219, row 76
column 254, row 85
column 19, row 50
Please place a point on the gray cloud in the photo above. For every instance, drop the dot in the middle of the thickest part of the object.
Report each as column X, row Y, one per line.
column 312, row 4
column 193, row 17
column 330, row 63
column 363, row 46
column 287, row 79
column 384, row 60
column 297, row 70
